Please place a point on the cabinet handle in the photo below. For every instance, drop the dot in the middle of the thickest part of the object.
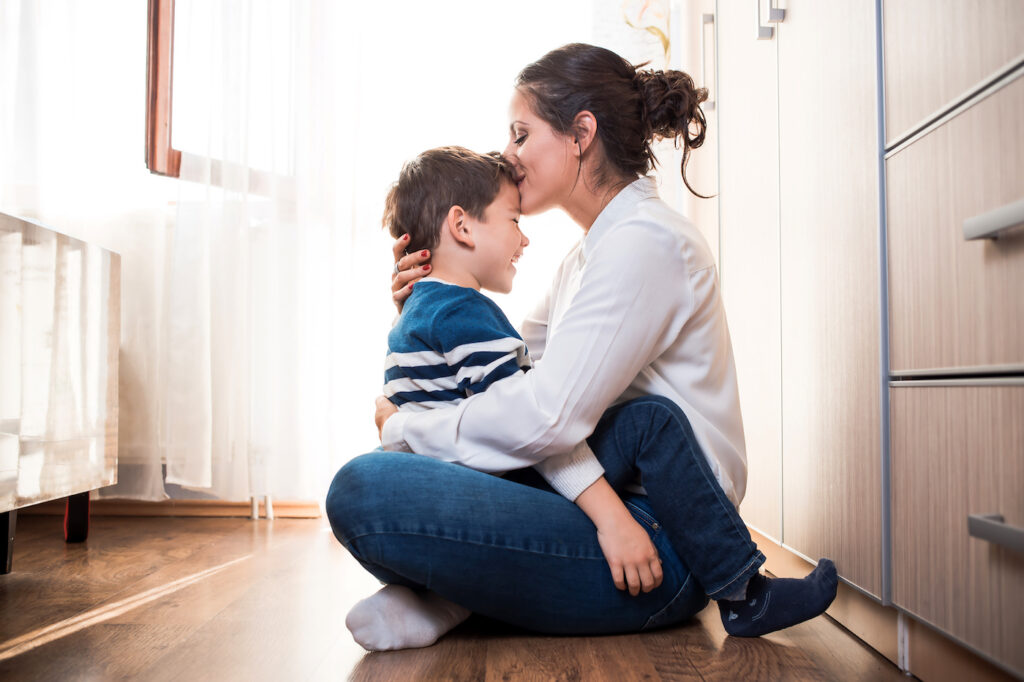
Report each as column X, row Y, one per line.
column 775, row 16
column 709, row 104
column 989, row 225
column 993, row 528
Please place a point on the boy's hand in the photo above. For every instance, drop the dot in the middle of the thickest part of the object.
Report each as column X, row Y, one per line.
column 631, row 556
column 409, row 269
column 385, row 408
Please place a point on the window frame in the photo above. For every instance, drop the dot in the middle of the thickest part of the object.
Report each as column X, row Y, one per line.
column 161, row 157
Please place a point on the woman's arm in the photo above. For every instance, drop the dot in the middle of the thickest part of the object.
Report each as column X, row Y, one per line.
column 633, row 301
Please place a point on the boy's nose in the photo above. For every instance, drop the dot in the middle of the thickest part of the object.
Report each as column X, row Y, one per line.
column 526, row 241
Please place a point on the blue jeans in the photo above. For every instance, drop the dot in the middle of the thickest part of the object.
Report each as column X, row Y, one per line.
column 514, row 550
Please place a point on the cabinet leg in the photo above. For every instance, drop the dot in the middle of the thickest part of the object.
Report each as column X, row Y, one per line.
column 7, row 522
column 76, row 517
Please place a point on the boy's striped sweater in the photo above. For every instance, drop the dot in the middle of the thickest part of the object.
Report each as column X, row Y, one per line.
column 449, row 343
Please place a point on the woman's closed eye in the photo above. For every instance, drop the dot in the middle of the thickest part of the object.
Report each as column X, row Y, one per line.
column 518, row 141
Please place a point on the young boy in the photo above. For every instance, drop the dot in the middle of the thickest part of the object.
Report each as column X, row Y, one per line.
column 451, row 342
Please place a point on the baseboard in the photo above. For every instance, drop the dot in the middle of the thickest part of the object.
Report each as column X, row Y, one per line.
column 288, row 509
column 930, row 655
column 935, row 658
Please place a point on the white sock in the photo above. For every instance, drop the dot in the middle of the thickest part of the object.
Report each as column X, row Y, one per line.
column 398, row 618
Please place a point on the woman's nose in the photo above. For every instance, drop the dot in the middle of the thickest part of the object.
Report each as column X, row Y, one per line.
column 526, row 241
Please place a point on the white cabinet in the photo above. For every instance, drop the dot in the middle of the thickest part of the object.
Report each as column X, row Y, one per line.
column 749, row 262
column 798, row 154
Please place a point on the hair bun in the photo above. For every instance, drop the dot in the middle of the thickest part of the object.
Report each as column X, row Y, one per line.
column 671, row 103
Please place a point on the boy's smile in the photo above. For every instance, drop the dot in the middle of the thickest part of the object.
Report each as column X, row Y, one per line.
column 499, row 241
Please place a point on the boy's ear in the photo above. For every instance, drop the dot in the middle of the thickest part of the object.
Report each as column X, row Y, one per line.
column 584, row 131
column 459, row 226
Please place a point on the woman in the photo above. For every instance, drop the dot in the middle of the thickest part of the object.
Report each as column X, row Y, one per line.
column 634, row 319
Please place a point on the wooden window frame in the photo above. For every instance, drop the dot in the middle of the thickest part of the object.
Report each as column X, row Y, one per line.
column 161, row 157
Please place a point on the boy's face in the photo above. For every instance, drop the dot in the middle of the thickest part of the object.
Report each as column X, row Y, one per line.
column 499, row 242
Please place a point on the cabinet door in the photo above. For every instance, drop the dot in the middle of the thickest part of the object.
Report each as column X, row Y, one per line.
column 830, row 274
column 956, row 305
column 749, row 223
column 937, row 50
column 958, row 450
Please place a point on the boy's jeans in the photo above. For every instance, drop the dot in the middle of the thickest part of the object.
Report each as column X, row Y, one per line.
column 512, row 549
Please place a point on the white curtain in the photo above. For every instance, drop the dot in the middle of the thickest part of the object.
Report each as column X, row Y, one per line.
column 255, row 289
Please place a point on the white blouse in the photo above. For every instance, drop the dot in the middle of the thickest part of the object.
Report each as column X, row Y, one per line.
column 635, row 309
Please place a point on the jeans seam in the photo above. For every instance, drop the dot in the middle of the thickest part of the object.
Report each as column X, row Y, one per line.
column 758, row 559
column 729, row 511
column 349, row 542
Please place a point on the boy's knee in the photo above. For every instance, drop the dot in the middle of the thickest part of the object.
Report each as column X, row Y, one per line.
column 656, row 406
column 660, row 402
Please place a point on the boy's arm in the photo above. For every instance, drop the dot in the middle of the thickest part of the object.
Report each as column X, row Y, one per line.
column 631, row 555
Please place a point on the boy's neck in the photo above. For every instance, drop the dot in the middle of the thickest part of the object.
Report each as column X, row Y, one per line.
column 453, row 274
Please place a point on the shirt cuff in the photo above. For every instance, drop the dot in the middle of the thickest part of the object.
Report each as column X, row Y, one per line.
column 391, row 436
column 572, row 473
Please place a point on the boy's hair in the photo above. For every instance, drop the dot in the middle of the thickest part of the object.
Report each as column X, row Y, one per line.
column 436, row 180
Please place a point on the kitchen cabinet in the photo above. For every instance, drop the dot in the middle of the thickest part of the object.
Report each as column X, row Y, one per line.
column 956, row 320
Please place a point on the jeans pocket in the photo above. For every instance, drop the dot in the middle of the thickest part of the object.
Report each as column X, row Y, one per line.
column 640, row 511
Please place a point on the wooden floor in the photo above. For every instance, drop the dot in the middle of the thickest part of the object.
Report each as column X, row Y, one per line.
column 234, row 599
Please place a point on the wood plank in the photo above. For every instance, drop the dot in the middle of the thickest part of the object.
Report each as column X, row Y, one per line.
column 621, row 657
column 674, row 651
column 532, row 658
column 278, row 612
column 284, row 509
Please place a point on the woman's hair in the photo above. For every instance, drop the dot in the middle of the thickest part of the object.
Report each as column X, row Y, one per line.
column 436, row 180
column 633, row 106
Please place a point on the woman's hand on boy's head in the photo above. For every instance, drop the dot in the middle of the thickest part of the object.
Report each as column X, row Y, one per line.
column 385, row 408
column 408, row 269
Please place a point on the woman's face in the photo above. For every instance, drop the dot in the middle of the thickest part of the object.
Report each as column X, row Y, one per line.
column 544, row 159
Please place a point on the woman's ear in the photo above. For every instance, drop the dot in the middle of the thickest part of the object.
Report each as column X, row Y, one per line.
column 459, row 226
column 584, row 130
